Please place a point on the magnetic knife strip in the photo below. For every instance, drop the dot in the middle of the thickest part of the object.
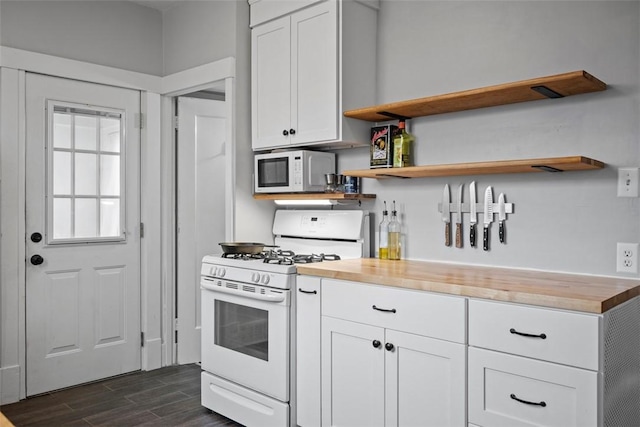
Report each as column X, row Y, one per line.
column 466, row 208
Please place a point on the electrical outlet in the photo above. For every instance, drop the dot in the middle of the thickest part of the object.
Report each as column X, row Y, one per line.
column 627, row 258
column 628, row 182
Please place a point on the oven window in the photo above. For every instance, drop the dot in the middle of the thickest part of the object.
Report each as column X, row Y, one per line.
column 242, row 329
column 273, row 172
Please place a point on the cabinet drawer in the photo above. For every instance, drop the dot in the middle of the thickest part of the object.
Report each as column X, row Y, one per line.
column 549, row 394
column 555, row 336
column 422, row 313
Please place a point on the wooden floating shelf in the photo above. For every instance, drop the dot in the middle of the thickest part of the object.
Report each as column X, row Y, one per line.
column 557, row 86
column 552, row 164
column 314, row 196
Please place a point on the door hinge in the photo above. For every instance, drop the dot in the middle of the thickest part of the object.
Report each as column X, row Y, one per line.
column 175, row 122
column 141, row 339
column 141, row 230
column 140, row 120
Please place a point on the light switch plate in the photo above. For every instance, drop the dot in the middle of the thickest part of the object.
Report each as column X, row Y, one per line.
column 628, row 182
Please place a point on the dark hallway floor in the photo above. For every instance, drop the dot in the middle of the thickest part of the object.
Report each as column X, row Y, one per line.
column 164, row 397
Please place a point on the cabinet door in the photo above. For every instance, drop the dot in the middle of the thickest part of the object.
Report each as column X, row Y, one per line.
column 426, row 381
column 271, row 83
column 352, row 374
column 308, row 351
column 314, row 74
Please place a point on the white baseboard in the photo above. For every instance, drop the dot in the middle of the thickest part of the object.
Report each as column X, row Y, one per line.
column 152, row 354
column 9, row 384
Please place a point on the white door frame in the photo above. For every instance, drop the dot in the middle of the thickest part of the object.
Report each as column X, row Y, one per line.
column 193, row 80
column 157, row 200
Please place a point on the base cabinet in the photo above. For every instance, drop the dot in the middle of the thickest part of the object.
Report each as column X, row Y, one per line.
column 373, row 375
column 383, row 356
column 308, row 351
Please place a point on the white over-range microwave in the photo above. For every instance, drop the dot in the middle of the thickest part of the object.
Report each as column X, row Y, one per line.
column 293, row 171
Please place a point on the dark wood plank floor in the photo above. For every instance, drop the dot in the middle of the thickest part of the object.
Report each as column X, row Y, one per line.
column 164, row 397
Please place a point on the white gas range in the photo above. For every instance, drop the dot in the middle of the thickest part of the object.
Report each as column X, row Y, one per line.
column 248, row 332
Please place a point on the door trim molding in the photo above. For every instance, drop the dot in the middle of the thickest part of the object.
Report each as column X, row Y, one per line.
column 157, row 186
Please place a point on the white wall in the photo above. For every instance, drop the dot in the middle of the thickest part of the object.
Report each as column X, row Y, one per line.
column 198, row 32
column 566, row 222
column 119, row 34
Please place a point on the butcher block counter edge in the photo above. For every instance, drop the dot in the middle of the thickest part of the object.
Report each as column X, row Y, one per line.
column 591, row 294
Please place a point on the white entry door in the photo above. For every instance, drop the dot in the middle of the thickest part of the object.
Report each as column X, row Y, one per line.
column 201, row 197
column 82, row 222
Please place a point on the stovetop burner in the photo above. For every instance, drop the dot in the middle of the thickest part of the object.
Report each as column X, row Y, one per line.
column 306, row 259
column 246, row 257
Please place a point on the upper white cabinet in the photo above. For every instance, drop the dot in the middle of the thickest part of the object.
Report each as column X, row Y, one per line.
column 306, row 68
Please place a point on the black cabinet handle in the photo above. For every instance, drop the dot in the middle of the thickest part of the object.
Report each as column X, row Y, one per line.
column 292, row 131
column 37, row 260
column 285, row 132
column 376, row 343
column 307, row 292
column 526, row 402
column 388, row 346
column 386, row 310
column 541, row 336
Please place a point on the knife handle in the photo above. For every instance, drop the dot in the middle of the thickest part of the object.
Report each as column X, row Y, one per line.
column 447, row 234
column 458, row 235
column 485, row 239
column 501, row 231
column 472, row 235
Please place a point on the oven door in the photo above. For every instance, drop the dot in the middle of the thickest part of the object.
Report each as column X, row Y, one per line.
column 245, row 335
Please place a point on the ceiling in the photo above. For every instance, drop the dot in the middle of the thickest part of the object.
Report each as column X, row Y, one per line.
column 161, row 5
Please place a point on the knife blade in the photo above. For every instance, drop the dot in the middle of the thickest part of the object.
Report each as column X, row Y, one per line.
column 446, row 215
column 502, row 215
column 459, row 218
column 488, row 216
column 474, row 214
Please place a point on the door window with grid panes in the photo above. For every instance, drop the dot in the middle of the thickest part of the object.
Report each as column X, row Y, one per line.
column 85, row 177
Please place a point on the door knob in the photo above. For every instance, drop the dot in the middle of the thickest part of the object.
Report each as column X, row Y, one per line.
column 292, row 131
column 36, row 237
column 388, row 346
column 285, row 132
column 37, row 260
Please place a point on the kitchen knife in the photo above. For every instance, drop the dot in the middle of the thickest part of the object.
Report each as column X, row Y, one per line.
column 459, row 218
column 488, row 216
column 502, row 215
column 474, row 214
column 446, row 215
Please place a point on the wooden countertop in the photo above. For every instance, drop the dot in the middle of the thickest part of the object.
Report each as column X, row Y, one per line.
column 4, row 422
column 592, row 294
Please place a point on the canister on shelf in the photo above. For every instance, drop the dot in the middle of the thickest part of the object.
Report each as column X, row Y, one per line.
column 381, row 147
column 351, row 184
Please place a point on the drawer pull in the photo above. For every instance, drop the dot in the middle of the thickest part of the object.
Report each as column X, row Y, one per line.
column 541, row 336
column 514, row 397
column 386, row 310
column 307, row 292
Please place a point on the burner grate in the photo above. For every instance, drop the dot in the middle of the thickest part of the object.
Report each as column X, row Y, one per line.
column 283, row 257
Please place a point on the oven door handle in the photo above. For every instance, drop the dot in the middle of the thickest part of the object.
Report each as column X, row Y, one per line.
column 248, row 295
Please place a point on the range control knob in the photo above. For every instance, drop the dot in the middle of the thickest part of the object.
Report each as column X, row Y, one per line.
column 222, row 271
column 265, row 279
column 255, row 277
column 213, row 271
